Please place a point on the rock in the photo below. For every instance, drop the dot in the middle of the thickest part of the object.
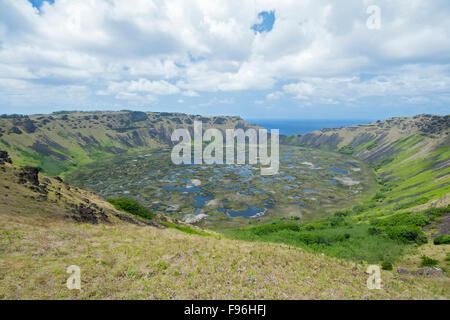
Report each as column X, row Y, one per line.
column 420, row 272
column 29, row 174
column 15, row 130
column 191, row 218
column 435, row 272
column 4, row 157
column 88, row 214
column 429, row 272
column 403, row 271
column 29, row 126
column 58, row 179
column 136, row 116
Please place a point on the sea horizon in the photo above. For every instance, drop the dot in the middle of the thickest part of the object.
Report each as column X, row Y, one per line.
column 302, row 126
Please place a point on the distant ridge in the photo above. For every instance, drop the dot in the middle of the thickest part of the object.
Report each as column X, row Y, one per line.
column 58, row 142
column 410, row 154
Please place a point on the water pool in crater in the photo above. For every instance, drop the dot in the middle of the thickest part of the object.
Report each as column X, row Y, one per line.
column 232, row 195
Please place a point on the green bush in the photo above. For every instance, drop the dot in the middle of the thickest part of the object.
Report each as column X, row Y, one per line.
column 373, row 231
column 406, row 234
column 442, row 239
column 275, row 227
column 386, row 265
column 131, row 206
column 428, row 262
column 346, row 150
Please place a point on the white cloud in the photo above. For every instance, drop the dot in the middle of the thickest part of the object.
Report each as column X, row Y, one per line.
column 274, row 95
column 160, row 87
column 140, row 51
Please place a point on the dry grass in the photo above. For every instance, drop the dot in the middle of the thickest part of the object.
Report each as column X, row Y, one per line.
column 133, row 262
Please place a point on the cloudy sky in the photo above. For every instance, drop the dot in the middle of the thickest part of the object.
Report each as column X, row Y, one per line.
column 255, row 58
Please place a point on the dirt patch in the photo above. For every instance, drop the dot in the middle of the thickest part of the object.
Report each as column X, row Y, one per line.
column 441, row 227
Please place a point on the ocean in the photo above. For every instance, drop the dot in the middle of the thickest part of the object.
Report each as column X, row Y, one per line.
column 301, row 126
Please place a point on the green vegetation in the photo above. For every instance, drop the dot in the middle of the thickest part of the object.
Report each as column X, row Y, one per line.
column 187, row 229
column 343, row 235
column 442, row 239
column 428, row 262
column 386, row 265
column 346, row 150
column 406, row 227
column 131, row 206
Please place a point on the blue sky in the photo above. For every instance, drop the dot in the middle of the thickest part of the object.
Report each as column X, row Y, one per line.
column 255, row 58
column 38, row 3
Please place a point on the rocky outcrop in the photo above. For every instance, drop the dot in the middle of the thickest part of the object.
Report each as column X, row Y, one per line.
column 15, row 130
column 90, row 214
column 137, row 116
column 4, row 157
column 427, row 272
column 29, row 174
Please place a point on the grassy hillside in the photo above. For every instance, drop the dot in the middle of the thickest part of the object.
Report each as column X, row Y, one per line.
column 59, row 142
column 123, row 259
column 411, row 157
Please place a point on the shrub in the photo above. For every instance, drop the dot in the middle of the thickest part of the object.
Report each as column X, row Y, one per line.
column 373, row 231
column 442, row 239
column 406, row 234
column 386, row 265
column 428, row 262
column 131, row 206
column 346, row 150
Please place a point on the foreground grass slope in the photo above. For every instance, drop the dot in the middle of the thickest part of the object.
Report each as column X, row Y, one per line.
column 125, row 261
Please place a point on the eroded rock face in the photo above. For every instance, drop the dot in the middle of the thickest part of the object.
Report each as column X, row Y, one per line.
column 15, row 130
column 29, row 174
column 136, row 116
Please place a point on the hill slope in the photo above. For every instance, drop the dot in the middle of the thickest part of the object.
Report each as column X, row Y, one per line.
column 410, row 155
column 59, row 142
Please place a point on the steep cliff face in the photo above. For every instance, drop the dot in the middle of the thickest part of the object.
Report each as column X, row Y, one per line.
column 380, row 140
column 60, row 141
